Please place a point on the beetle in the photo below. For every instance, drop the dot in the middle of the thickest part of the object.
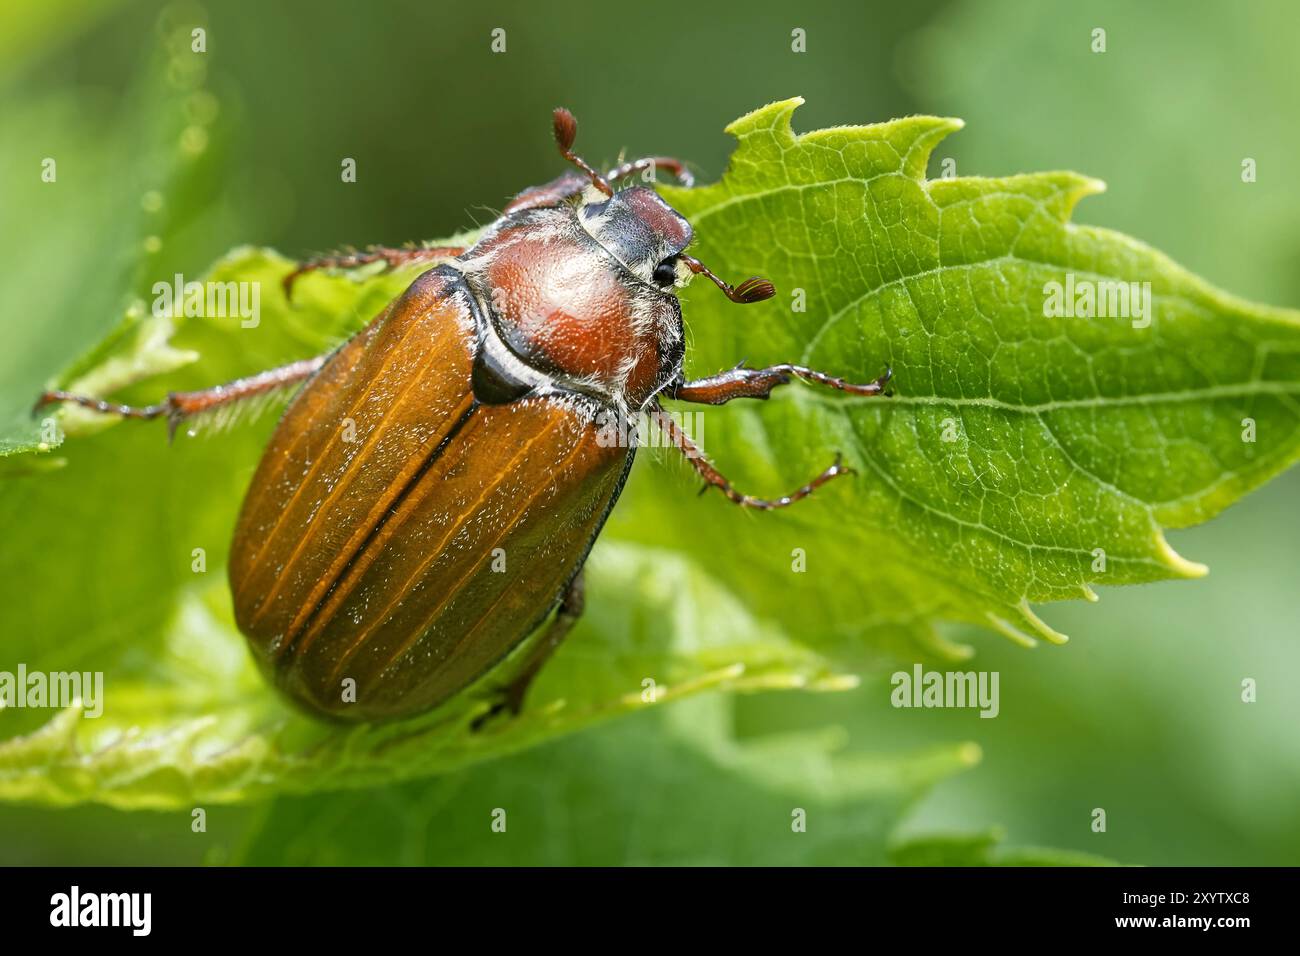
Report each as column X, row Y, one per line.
column 455, row 522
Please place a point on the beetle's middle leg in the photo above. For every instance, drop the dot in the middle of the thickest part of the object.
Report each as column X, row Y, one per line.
column 178, row 406
column 512, row 694
column 742, row 382
column 393, row 258
column 716, row 479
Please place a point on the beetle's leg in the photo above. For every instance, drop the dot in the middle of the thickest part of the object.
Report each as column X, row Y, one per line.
column 715, row 479
column 568, row 185
column 559, row 189
column 393, row 258
column 674, row 166
column 741, row 382
column 512, row 695
column 178, row 406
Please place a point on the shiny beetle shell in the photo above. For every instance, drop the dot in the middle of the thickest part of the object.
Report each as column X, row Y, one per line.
column 432, row 490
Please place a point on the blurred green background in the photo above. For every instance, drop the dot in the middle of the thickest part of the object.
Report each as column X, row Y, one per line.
column 1139, row 714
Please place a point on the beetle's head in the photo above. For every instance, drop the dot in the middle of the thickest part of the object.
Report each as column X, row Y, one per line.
column 644, row 233
column 641, row 231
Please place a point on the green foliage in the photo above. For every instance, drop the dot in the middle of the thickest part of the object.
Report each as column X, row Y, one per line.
column 1071, row 435
column 1067, row 434
column 661, row 787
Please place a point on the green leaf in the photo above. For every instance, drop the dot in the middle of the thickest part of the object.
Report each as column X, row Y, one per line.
column 638, row 792
column 1074, row 441
column 1070, row 435
column 981, row 849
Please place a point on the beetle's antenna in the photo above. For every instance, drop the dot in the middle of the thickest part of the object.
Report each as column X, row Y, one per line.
column 566, row 131
column 752, row 289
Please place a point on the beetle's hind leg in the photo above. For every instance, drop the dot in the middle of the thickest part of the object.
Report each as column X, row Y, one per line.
column 511, row 696
column 715, row 479
column 392, row 258
column 178, row 406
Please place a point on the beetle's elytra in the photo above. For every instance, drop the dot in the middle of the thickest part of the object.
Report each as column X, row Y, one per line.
column 413, row 550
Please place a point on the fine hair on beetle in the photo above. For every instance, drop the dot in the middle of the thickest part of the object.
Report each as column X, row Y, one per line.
column 489, row 409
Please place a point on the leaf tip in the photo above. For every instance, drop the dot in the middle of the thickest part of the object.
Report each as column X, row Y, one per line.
column 774, row 117
column 1041, row 627
column 922, row 134
column 1177, row 563
column 1033, row 628
column 1009, row 630
column 1075, row 188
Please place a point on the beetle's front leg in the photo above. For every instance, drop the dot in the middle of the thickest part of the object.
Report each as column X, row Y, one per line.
column 178, row 406
column 392, row 258
column 741, row 382
column 715, row 479
column 511, row 696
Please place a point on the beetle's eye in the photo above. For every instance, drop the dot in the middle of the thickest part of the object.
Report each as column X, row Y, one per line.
column 665, row 273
